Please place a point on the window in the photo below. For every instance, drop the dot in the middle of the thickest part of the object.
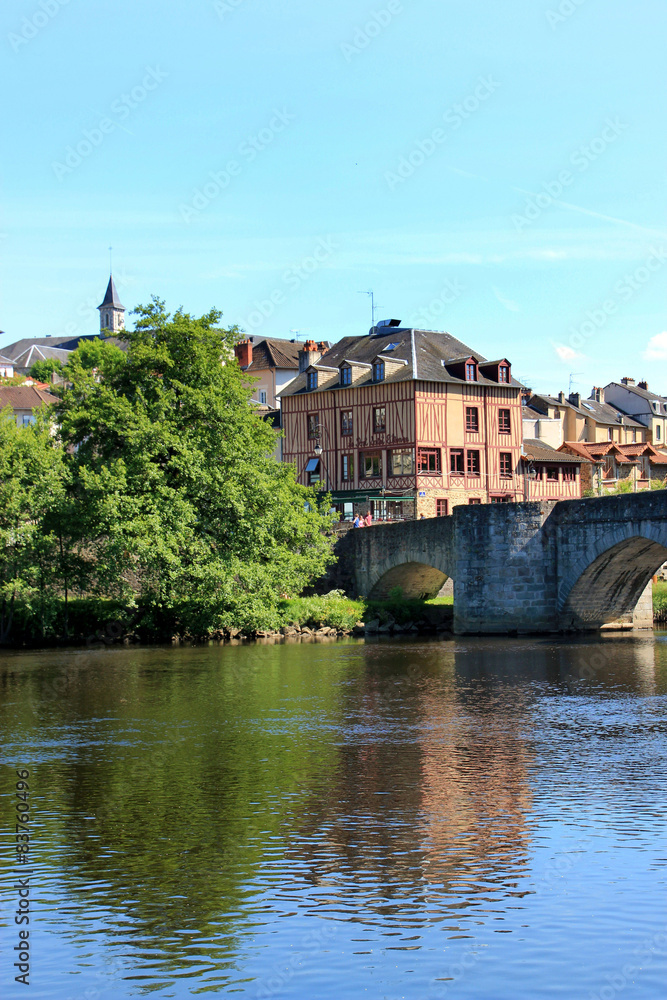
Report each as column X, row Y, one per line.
column 474, row 500
column 472, row 420
column 657, row 432
column 428, row 460
column 262, row 397
column 370, row 465
column 313, row 425
column 441, row 508
column 610, row 434
column 402, row 462
column 346, row 375
column 28, row 418
column 504, row 422
column 569, row 474
column 634, row 437
column 456, row 463
column 505, row 465
column 346, row 423
column 378, row 371
column 503, row 373
column 503, row 499
column 552, row 474
column 379, row 420
column 473, row 467
column 347, row 468
column 313, row 471
column 311, row 380
column 471, row 371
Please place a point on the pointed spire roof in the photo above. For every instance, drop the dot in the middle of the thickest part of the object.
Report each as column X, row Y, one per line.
column 111, row 297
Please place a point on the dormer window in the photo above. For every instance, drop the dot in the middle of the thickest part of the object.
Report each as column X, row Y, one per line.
column 346, row 375
column 471, row 371
column 378, row 371
column 503, row 373
column 311, row 380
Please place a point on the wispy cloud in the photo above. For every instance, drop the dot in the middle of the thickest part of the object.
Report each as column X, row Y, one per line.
column 507, row 303
column 656, row 349
column 566, row 353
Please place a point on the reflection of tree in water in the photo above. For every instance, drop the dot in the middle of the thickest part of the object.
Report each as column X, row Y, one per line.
column 172, row 788
column 430, row 798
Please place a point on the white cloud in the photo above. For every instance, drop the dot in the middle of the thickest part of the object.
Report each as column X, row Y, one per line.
column 656, row 349
column 566, row 353
column 509, row 304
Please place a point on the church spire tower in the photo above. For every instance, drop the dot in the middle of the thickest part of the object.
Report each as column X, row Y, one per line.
column 112, row 312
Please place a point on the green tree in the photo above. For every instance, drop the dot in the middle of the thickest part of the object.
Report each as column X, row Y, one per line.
column 32, row 492
column 43, row 369
column 184, row 506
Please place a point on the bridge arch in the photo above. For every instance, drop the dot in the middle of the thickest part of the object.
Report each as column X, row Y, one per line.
column 416, row 579
column 605, row 583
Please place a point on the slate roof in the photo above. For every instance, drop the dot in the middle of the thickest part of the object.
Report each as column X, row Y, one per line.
column 423, row 350
column 538, row 451
column 24, row 353
column 644, row 393
column 274, row 353
column 602, row 413
column 24, row 397
column 111, row 296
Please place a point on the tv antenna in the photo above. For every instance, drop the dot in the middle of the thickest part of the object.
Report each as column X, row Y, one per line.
column 572, row 378
column 297, row 333
column 373, row 306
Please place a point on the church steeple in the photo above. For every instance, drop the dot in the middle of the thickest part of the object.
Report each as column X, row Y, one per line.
column 112, row 312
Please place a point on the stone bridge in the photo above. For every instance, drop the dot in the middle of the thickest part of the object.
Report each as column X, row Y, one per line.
column 527, row 567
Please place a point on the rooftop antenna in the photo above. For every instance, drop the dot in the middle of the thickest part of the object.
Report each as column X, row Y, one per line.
column 296, row 333
column 373, row 306
column 572, row 377
column 110, row 267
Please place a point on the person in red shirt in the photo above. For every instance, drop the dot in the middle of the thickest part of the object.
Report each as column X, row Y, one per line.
column 368, row 520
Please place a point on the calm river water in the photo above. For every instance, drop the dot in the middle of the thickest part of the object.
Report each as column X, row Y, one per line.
column 423, row 819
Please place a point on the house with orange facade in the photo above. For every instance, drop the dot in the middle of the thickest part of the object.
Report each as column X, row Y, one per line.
column 405, row 423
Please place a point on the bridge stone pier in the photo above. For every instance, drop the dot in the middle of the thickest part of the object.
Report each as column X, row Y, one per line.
column 529, row 567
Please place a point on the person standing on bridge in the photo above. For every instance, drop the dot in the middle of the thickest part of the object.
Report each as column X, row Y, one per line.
column 358, row 522
column 368, row 520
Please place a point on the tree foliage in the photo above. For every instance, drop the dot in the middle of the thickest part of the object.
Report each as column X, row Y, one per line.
column 43, row 369
column 184, row 508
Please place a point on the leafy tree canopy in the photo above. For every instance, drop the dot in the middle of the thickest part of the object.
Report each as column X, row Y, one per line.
column 186, row 508
column 43, row 369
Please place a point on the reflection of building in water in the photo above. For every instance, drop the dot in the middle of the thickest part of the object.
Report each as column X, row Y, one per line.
column 432, row 785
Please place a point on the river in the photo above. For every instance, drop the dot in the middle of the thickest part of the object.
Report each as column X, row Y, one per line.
column 409, row 820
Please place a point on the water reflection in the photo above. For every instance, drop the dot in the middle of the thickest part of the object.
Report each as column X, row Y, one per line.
column 190, row 802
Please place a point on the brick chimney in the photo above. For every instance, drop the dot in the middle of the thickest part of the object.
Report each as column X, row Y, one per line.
column 597, row 394
column 574, row 399
column 561, row 396
column 243, row 352
column 627, row 381
column 309, row 355
column 642, row 385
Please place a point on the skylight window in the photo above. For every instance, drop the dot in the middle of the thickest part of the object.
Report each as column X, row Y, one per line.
column 391, row 347
column 587, row 405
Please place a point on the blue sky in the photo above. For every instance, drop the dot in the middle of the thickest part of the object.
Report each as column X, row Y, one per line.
column 493, row 170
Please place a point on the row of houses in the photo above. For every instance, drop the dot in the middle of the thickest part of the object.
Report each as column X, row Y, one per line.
column 406, row 422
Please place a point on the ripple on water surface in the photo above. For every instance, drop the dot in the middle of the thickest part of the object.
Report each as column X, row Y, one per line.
column 467, row 818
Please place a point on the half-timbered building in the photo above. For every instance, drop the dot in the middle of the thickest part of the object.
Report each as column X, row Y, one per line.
column 405, row 422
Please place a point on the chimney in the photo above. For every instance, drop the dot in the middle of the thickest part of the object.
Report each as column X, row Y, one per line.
column 526, row 393
column 574, row 399
column 627, row 381
column 597, row 394
column 310, row 354
column 561, row 396
column 243, row 352
column 642, row 385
